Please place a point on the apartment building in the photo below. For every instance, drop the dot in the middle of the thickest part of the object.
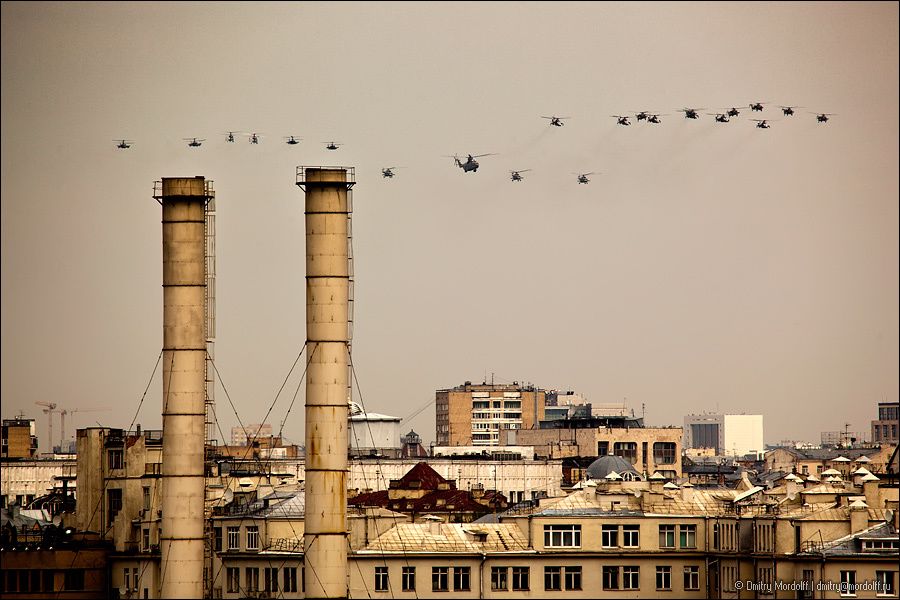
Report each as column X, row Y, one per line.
column 884, row 428
column 646, row 540
column 648, row 449
column 475, row 414
column 17, row 438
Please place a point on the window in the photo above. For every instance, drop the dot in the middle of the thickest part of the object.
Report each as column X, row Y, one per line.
column 115, row 459
column 562, row 536
column 127, row 579
column 271, row 579
column 573, row 578
column 885, row 582
column 602, row 448
column 609, row 536
column 217, row 539
column 688, row 536
column 552, row 578
column 627, row 450
column 145, row 540
column 631, row 536
column 848, row 584
column 233, row 579
column 664, row 578
column 381, row 579
column 134, row 579
column 692, row 578
column 715, row 540
column 146, row 505
column 764, row 576
column 631, row 578
column 666, row 536
column 234, row 538
column 610, row 578
column 409, row 579
column 440, row 579
column 113, row 504
column 498, row 578
column 74, row 580
column 808, row 577
column 520, row 578
column 461, row 577
column 664, row 453
column 252, row 578
column 290, row 579
column 253, row 537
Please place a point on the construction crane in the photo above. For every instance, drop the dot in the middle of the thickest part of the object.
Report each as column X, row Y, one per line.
column 51, row 408
column 62, row 421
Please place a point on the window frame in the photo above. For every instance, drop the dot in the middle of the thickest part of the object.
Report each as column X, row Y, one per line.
column 631, row 572
column 552, row 578
column 408, row 579
column 520, row 574
column 382, row 579
column 663, row 572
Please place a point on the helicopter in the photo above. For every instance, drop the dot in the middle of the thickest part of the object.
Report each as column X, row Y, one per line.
column 788, row 110
column 557, row 121
column 653, row 119
column 331, row 145
column 193, row 142
column 691, row 113
column 254, row 138
column 720, row 117
column 621, row 120
column 389, row 171
column 756, row 106
column 123, row 144
column 733, row 112
column 471, row 164
column 583, row 177
column 291, row 140
column 644, row 115
column 762, row 124
column 229, row 137
column 822, row 117
column 516, row 175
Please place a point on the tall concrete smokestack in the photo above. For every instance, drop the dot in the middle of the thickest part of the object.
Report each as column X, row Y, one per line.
column 181, row 539
column 327, row 379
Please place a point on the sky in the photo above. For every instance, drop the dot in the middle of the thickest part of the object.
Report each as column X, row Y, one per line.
column 706, row 267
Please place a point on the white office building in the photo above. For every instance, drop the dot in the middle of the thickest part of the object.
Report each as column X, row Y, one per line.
column 728, row 435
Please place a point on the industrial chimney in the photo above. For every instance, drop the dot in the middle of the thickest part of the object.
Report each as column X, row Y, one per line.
column 181, row 539
column 327, row 381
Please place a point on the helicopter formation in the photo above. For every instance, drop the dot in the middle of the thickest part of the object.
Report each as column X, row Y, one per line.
column 471, row 165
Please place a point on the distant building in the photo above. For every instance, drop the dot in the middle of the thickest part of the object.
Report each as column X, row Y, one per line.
column 374, row 434
column 884, row 429
column 239, row 435
column 18, row 439
column 411, row 446
column 475, row 414
column 422, row 492
column 649, row 449
column 728, row 435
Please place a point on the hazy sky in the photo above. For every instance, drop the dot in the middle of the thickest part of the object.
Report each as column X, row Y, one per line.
column 705, row 267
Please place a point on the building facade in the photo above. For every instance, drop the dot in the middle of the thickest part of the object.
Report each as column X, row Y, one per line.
column 884, row 429
column 648, row 449
column 18, row 439
column 240, row 435
column 728, row 435
column 475, row 414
